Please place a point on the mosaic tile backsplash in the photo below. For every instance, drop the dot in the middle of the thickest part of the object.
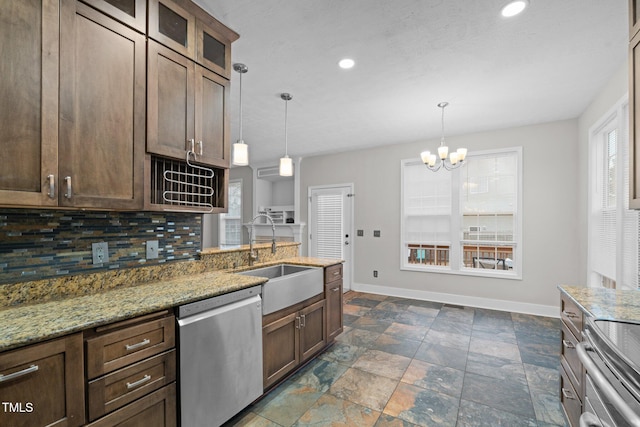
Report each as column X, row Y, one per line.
column 39, row 244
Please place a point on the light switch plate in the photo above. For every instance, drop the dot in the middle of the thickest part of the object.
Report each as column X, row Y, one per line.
column 100, row 252
column 152, row 249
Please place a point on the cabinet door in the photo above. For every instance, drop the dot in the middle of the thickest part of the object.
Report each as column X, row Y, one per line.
column 44, row 384
column 170, row 102
column 212, row 125
column 333, row 295
column 313, row 332
column 213, row 49
column 102, row 111
column 130, row 12
column 173, row 26
column 280, row 342
column 29, row 112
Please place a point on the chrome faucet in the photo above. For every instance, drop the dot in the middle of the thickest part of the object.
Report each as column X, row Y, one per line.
column 253, row 256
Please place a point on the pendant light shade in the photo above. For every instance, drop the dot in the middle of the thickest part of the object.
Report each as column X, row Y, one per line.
column 286, row 164
column 240, row 149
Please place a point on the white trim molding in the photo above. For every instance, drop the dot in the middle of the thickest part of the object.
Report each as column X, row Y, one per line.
column 469, row 301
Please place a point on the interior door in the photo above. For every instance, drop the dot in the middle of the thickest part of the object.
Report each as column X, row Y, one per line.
column 331, row 225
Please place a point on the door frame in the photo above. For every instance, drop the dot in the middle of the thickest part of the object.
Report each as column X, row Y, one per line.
column 348, row 261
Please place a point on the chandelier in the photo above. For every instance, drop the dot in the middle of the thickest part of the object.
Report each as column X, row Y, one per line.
column 447, row 160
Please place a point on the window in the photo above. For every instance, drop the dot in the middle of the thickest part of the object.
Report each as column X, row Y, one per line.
column 230, row 224
column 613, row 228
column 466, row 221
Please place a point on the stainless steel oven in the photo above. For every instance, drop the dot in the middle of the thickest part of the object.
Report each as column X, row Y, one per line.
column 610, row 354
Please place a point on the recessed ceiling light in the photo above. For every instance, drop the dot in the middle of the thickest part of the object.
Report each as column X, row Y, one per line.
column 514, row 8
column 346, row 63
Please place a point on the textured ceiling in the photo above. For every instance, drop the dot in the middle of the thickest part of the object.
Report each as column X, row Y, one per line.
column 546, row 64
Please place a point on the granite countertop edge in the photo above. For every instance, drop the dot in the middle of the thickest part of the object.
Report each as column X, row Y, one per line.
column 603, row 303
column 26, row 324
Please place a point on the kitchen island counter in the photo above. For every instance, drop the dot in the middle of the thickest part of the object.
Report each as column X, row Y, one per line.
column 602, row 303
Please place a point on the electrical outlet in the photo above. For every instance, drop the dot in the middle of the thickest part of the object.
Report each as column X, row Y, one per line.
column 360, row 233
column 376, row 233
column 375, row 273
column 152, row 249
column 100, row 252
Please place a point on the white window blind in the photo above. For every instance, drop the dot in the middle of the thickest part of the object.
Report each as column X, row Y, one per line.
column 328, row 235
column 613, row 228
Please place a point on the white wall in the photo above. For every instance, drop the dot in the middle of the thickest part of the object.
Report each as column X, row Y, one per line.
column 606, row 98
column 551, row 231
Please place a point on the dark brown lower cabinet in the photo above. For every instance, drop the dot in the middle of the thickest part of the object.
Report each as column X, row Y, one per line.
column 42, row 384
column 291, row 336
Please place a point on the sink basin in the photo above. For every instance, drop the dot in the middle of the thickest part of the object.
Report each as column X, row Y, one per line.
column 288, row 285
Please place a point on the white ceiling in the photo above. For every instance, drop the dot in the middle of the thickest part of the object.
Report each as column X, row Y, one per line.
column 544, row 65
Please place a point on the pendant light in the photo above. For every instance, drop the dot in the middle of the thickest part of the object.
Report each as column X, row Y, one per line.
column 286, row 165
column 455, row 159
column 240, row 149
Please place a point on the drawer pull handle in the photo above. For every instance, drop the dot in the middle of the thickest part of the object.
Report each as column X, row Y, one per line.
column 69, row 193
column 568, row 344
column 18, row 374
column 297, row 322
column 568, row 394
column 570, row 314
column 140, row 344
column 303, row 320
column 139, row 382
column 336, row 273
column 335, row 289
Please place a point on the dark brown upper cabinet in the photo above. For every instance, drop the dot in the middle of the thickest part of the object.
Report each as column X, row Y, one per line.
column 102, row 111
column 29, row 35
column 132, row 13
column 186, row 109
column 187, row 29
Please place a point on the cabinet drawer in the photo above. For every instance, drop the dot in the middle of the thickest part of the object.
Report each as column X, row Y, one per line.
column 118, row 388
column 157, row 409
column 570, row 359
column 571, row 314
column 130, row 12
column 114, row 350
column 333, row 273
column 569, row 400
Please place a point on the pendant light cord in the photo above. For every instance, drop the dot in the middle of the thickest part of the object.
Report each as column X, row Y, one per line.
column 286, row 143
column 240, row 107
column 442, row 105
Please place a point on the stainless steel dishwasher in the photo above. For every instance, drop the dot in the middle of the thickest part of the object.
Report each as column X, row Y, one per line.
column 220, row 357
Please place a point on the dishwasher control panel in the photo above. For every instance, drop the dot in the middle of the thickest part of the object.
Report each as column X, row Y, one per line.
column 217, row 301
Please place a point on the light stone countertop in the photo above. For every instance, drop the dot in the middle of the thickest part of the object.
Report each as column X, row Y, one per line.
column 602, row 303
column 24, row 324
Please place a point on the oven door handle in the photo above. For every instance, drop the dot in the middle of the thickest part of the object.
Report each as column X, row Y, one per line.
column 604, row 386
column 587, row 419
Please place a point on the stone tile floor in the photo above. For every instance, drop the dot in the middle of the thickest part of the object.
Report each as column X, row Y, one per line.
column 402, row 362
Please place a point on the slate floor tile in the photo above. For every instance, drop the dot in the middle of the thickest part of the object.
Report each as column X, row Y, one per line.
column 403, row 330
column 507, row 396
column 448, row 339
column 382, row 363
column 496, row 367
column 332, row 411
column 434, row 377
column 422, row 407
column 386, row 420
column 289, row 403
column 495, row 348
column 547, row 408
column 441, row 355
column 472, row 414
column 396, row 345
column 364, row 388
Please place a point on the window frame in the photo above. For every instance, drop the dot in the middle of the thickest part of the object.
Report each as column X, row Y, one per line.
column 223, row 217
column 456, row 265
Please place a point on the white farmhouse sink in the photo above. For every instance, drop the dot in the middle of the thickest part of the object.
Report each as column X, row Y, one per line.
column 288, row 285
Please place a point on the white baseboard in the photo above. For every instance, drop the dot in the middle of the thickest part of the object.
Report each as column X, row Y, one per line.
column 479, row 302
